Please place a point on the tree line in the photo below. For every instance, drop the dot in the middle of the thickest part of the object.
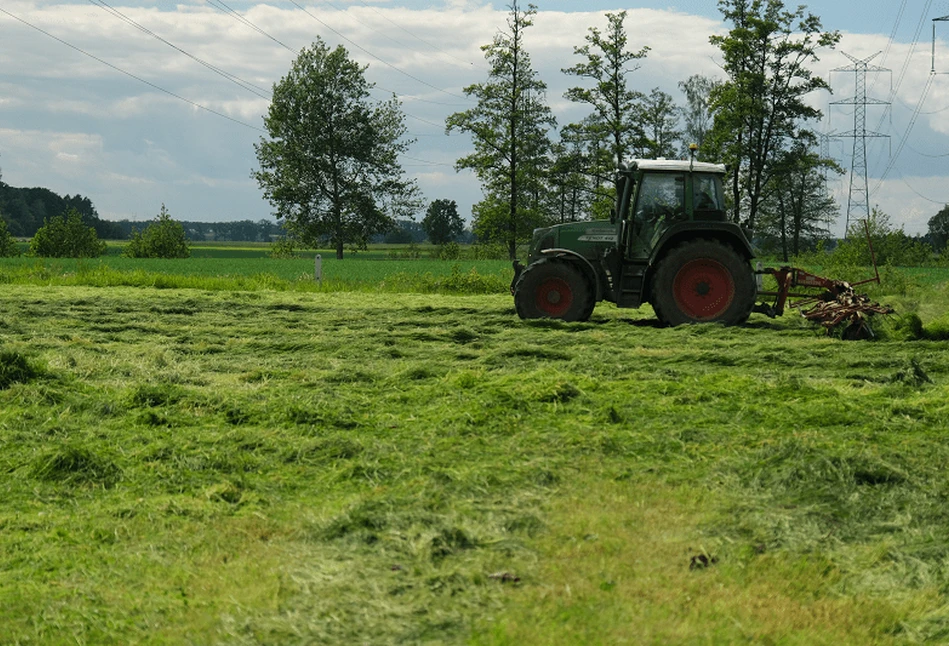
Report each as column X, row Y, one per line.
column 329, row 163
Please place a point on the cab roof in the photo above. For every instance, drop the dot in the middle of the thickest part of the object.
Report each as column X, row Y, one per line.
column 680, row 165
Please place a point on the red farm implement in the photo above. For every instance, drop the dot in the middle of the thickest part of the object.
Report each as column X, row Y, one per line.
column 837, row 305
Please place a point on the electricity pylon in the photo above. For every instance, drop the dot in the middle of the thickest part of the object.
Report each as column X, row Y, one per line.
column 858, row 202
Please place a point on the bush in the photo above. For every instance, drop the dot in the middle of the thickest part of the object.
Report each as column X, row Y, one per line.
column 283, row 248
column 489, row 251
column 448, row 251
column 409, row 252
column 8, row 246
column 163, row 238
column 66, row 236
column 891, row 246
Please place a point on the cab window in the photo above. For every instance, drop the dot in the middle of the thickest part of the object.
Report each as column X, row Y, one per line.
column 706, row 194
column 660, row 202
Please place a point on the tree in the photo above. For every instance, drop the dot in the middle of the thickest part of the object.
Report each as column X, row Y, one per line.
column 66, row 236
column 442, row 222
column 8, row 245
column 891, row 246
column 939, row 229
column 760, row 109
column 616, row 117
column 331, row 165
column 697, row 113
column 800, row 211
column 574, row 188
column 509, row 128
column 660, row 119
column 163, row 238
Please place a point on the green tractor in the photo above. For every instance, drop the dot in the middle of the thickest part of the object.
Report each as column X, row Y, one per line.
column 668, row 243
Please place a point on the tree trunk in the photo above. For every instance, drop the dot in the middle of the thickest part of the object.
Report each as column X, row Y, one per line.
column 784, row 228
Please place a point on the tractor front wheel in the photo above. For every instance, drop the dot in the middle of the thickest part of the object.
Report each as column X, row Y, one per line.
column 703, row 281
column 553, row 289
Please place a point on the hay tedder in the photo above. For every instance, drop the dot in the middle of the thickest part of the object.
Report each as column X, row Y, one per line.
column 836, row 306
column 669, row 244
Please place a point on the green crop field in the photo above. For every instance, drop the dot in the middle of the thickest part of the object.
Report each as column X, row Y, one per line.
column 198, row 457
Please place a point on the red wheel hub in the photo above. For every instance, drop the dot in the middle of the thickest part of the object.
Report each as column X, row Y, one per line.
column 554, row 297
column 703, row 289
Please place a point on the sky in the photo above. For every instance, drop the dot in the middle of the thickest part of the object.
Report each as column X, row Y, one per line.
column 139, row 104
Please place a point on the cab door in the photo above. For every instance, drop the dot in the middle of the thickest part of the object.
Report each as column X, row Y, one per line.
column 660, row 202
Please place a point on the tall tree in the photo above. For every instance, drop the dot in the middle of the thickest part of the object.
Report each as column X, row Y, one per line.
column 801, row 210
column 568, row 177
column 660, row 124
column 697, row 113
column 761, row 108
column 509, row 127
column 8, row 246
column 616, row 108
column 331, row 164
column 442, row 223
column 939, row 229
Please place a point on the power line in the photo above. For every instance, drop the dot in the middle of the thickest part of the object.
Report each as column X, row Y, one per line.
column 415, row 36
column 368, row 53
column 909, row 129
column 247, row 85
column 223, row 7
column 920, row 195
column 130, row 75
column 922, row 154
column 894, row 89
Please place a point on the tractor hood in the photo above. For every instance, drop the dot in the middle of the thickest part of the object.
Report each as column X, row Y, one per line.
column 589, row 239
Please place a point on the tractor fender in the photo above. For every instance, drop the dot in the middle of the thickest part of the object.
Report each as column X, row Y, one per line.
column 585, row 266
column 726, row 232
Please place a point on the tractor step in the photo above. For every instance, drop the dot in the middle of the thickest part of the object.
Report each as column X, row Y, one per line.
column 630, row 292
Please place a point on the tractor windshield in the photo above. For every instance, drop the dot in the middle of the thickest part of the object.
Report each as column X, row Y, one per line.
column 659, row 203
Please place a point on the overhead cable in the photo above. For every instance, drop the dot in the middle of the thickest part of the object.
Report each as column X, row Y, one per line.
column 131, row 75
column 368, row 53
column 247, row 85
column 909, row 129
column 415, row 36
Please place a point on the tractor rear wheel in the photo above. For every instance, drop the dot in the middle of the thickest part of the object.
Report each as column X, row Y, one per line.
column 553, row 289
column 703, row 281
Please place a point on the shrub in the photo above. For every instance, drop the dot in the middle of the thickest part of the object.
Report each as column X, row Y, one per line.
column 489, row 251
column 163, row 238
column 285, row 247
column 8, row 246
column 891, row 246
column 66, row 236
column 448, row 251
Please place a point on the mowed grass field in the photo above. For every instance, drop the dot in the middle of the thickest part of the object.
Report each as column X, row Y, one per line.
column 220, row 267
column 273, row 463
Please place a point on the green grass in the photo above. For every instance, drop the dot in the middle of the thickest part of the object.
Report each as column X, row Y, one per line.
column 251, row 272
column 267, row 465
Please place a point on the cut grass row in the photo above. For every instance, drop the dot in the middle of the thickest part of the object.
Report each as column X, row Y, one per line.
column 262, row 466
column 253, row 273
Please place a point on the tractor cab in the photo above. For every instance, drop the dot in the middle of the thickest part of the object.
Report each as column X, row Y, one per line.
column 655, row 195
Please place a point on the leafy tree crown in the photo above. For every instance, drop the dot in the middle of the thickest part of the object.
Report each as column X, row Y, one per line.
column 66, row 236
column 163, row 238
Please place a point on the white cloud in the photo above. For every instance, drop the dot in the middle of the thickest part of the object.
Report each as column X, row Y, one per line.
column 79, row 126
